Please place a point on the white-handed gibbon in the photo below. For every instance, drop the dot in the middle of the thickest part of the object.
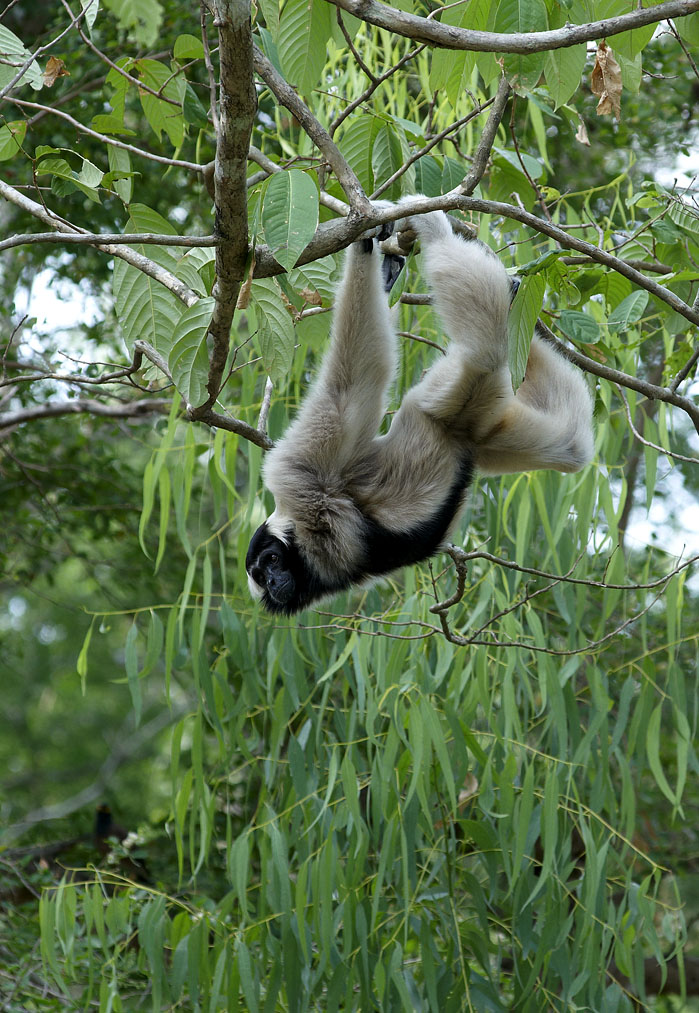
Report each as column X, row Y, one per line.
column 352, row 505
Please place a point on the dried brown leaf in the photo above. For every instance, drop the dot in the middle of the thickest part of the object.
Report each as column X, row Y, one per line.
column 605, row 82
column 55, row 68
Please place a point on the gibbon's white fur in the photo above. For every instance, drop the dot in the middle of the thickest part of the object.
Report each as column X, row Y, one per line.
column 350, row 504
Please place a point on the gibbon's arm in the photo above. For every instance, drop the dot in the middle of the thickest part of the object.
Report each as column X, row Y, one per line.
column 341, row 413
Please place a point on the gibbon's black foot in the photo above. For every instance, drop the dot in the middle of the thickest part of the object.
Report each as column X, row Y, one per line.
column 367, row 245
column 385, row 231
column 390, row 268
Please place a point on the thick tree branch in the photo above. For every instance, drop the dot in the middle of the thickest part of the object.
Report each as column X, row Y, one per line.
column 285, row 94
column 106, row 239
column 211, row 418
column 237, row 107
column 83, row 406
column 447, row 37
column 333, row 236
column 137, row 260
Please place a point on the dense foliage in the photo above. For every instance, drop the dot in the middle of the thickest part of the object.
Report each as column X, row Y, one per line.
column 468, row 787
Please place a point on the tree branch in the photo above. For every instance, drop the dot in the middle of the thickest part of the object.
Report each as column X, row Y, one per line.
column 448, row 37
column 137, row 260
column 83, row 406
column 237, row 107
column 285, row 94
column 480, row 159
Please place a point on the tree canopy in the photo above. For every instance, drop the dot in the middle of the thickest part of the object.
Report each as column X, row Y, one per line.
column 470, row 786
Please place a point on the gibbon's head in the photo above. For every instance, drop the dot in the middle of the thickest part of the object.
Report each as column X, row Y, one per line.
column 278, row 573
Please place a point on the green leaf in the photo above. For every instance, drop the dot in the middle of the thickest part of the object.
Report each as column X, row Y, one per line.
column 524, row 312
column 357, row 145
column 131, row 664
column 145, row 308
column 188, row 359
column 141, row 18
column 653, row 753
column 290, row 214
column 81, row 664
column 275, row 328
column 629, row 311
column 188, row 47
column 517, row 16
column 387, row 158
column 90, row 8
column 87, row 180
column 428, row 176
column 12, row 56
column 162, row 114
column 563, row 69
column 11, row 137
column 270, row 12
column 688, row 29
column 120, row 161
column 579, row 326
column 304, row 30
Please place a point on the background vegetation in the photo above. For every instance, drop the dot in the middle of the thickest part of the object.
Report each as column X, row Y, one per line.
column 472, row 786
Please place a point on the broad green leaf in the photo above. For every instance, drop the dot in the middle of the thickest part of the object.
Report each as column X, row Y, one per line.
column 688, row 28
column 452, row 70
column 290, row 214
column 90, row 7
column 357, row 145
column 11, row 137
column 66, row 179
column 629, row 311
column 514, row 16
column 270, row 12
column 120, row 161
column 12, row 56
column 524, row 312
column 275, row 328
column 304, row 30
column 563, row 69
column 428, row 176
column 631, row 72
column 531, row 164
column 145, row 308
column 141, row 18
column 386, row 158
column 685, row 216
column 579, row 326
column 188, row 358
column 162, row 114
column 188, row 47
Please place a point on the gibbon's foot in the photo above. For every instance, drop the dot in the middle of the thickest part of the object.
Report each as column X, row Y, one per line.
column 391, row 267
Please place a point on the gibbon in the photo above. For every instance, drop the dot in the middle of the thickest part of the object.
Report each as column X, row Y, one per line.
column 352, row 505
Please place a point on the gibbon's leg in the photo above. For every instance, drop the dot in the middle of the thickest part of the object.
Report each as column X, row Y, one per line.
column 341, row 413
column 548, row 423
column 467, row 390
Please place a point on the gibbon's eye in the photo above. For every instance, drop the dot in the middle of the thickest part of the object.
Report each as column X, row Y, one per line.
column 274, row 558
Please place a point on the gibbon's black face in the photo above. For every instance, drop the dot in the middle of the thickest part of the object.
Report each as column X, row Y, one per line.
column 271, row 571
column 279, row 576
